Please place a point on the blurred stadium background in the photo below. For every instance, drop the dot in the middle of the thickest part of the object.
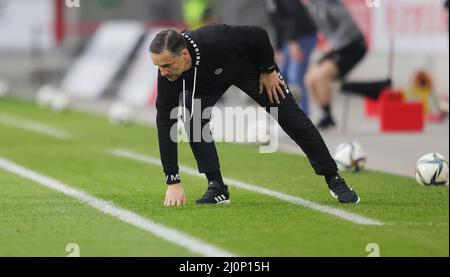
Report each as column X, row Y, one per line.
column 41, row 48
column 47, row 45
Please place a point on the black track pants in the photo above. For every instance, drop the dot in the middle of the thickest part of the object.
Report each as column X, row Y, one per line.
column 290, row 117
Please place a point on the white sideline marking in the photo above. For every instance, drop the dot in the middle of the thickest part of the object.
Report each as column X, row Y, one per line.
column 33, row 126
column 438, row 224
column 107, row 207
column 355, row 218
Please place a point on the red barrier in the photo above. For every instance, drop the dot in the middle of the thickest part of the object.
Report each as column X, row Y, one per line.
column 396, row 115
column 371, row 107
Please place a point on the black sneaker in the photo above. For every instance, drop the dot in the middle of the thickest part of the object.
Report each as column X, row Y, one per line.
column 216, row 194
column 340, row 190
column 325, row 123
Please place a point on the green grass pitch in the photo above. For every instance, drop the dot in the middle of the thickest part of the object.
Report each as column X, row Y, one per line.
column 38, row 221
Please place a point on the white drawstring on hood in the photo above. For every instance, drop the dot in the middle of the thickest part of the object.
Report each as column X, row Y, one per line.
column 193, row 95
column 195, row 63
column 184, row 99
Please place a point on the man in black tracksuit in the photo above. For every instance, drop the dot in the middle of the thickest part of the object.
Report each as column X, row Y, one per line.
column 201, row 65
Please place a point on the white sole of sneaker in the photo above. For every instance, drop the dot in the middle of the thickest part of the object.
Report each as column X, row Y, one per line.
column 224, row 202
column 335, row 196
column 220, row 202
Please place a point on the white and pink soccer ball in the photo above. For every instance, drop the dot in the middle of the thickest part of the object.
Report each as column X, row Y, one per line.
column 350, row 156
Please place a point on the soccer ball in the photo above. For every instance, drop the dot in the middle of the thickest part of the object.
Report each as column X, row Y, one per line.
column 45, row 95
column 432, row 170
column 256, row 132
column 120, row 114
column 4, row 88
column 263, row 134
column 59, row 102
column 350, row 156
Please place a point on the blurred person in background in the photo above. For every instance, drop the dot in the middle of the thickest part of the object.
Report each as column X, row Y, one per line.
column 347, row 49
column 295, row 41
column 199, row 66
column 197, row 13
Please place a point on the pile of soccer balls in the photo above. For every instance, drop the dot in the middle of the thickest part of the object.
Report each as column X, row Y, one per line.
column 50, row 97
column 121, row 114
column 432, row 170
column 4, row 88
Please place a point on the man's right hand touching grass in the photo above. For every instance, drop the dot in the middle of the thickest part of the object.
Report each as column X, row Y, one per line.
column 175, row 195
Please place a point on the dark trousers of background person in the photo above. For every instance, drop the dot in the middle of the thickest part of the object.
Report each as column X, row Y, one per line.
column 295, row 71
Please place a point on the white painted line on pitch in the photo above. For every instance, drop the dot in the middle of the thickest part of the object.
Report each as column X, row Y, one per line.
column 355, row 218
column 33, row 126
column 437, row 224
column 161, row 231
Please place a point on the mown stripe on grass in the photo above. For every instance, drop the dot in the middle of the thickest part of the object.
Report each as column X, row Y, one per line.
column 33, row 126
column 171, row 235
column 352, row 217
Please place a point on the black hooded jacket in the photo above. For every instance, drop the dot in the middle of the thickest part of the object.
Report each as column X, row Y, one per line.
column 221, row 56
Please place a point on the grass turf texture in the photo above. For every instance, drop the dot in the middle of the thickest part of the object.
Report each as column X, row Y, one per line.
column 36, row 221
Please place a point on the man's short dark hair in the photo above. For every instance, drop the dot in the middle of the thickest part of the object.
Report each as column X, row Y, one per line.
column 170, row 40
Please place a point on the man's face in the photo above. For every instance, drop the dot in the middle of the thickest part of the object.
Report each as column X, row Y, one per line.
column 171, row 65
